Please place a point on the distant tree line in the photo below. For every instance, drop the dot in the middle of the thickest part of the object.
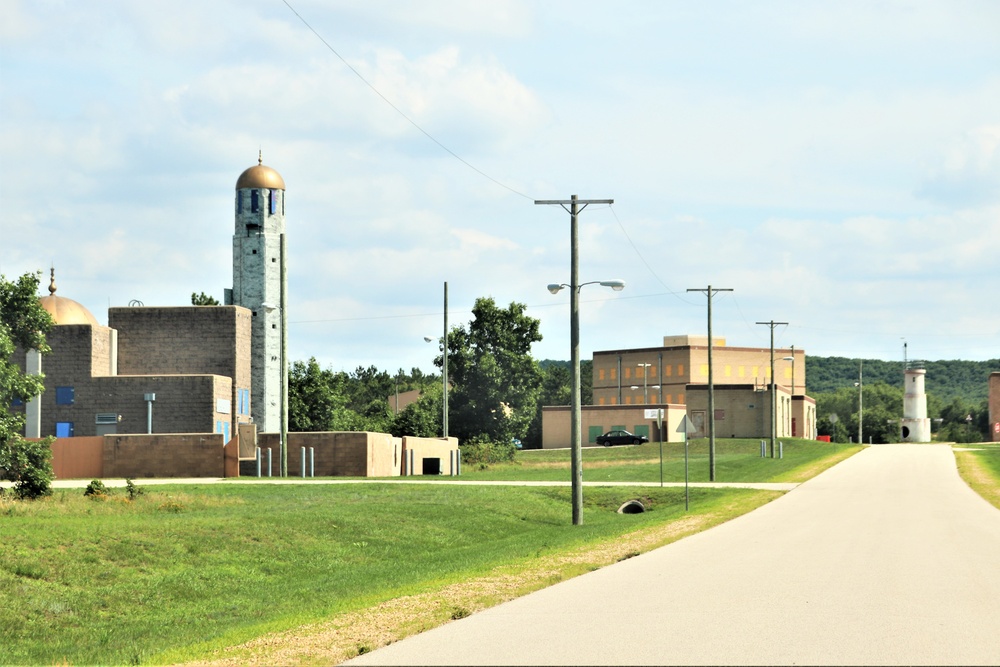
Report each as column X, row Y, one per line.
column 957, row 393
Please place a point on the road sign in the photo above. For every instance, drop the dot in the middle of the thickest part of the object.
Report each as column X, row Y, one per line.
column 686, row 426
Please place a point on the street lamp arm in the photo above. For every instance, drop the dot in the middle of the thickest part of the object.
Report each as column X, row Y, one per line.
column 617, row 285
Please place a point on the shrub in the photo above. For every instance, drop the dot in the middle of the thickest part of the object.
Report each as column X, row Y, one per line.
column 29, row 465
column 96, row 489
column 133, row 490
column 483, row 451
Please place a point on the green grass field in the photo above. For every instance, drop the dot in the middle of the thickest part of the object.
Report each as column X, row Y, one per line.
column 185, row 569
column 979, row 465
column 736, row 460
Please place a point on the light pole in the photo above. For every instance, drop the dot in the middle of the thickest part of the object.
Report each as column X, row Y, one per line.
column 645, row 396
column 861, row 408
column 792, row 359
column 576, row 415
column 711, row 387
column 574, row 317
column 774, row 394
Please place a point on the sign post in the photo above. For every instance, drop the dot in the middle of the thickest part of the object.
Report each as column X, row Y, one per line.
column 685, row 428
column 657, row 413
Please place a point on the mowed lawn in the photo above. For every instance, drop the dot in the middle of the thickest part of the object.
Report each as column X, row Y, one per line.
column 185, row 569
column 736, row 460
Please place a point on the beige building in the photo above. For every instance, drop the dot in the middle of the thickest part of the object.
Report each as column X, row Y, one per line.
column 153, row 370
column 675, row 376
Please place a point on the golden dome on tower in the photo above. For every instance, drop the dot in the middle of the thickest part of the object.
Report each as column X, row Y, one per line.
column 63, row 310
column 260, row 176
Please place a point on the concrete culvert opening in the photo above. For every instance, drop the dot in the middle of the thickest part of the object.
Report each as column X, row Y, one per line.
column 632, row 507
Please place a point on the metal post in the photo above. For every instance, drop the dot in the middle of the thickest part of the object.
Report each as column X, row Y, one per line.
column 302, row 460
column 258, row 461
column 444, row 368
column 861, row 398
column 774, row 392
column 711, row 388
column 686, row 491
column 269, row 469
column 659, row 427
column 312, row 461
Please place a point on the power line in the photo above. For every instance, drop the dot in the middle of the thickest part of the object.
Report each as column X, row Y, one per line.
column 399, row 111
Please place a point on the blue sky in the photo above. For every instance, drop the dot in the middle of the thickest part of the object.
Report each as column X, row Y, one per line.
column 836, row 164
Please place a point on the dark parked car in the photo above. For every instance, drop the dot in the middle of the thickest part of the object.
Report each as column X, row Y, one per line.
column 620, row 438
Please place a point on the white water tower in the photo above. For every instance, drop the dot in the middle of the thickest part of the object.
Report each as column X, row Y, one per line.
column 916, row 425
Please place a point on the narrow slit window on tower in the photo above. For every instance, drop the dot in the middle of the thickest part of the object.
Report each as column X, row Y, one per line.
column 274, row 202
column 239, row 202
column 254, row 201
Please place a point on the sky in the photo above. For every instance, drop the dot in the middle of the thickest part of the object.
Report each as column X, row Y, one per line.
column 837, row 165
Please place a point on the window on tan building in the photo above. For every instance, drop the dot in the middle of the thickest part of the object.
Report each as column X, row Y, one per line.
column 628, row 372
column 600, row 374
column 680, row 370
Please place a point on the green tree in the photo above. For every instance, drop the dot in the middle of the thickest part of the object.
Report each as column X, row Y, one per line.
column 203, row 299
column 23, row 324
column 497, row 382
column 555, row 390
column 421, row 418
column 317, row 400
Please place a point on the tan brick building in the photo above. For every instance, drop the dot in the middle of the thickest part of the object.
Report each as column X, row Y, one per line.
column 153, row 370
column 676, row 375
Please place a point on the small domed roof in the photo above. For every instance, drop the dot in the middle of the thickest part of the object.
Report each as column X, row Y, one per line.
column 63, row 310
column 260, row 176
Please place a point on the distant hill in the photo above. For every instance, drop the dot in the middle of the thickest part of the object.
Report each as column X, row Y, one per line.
column 946, row 380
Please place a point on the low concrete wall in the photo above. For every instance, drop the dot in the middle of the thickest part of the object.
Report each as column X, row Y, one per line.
column 428, row 453
column 164, row 455
column 338, row 453
column 78, row 458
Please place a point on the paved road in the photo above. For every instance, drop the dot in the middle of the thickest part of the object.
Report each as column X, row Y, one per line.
column 888, row 558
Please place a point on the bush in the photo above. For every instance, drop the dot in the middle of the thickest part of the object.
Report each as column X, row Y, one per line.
column 29, row 465
column 96, row 489
column 483, row 451
column 133, row 490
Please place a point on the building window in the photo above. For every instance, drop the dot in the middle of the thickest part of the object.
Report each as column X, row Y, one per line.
column 243, row 401
column 254, row 201
column 16, row 402
column 239, row 202
column 64, row 429
column 64, row 395
column 274, row 202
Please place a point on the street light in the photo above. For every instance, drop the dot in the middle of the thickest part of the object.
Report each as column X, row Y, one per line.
column 792, row 359
column 861, row 410
column 576, row 416
column 645, row 397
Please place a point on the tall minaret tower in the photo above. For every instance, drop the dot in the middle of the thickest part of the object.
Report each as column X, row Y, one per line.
column 258, row 284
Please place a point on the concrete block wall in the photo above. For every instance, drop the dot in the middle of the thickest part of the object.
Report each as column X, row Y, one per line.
column 214, row 340
column 173, row 455
column 336, row 454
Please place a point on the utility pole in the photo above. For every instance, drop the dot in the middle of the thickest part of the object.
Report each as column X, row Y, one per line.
column 576, row 414
column 774, row 392
column 711, row 388
column 444, row 368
